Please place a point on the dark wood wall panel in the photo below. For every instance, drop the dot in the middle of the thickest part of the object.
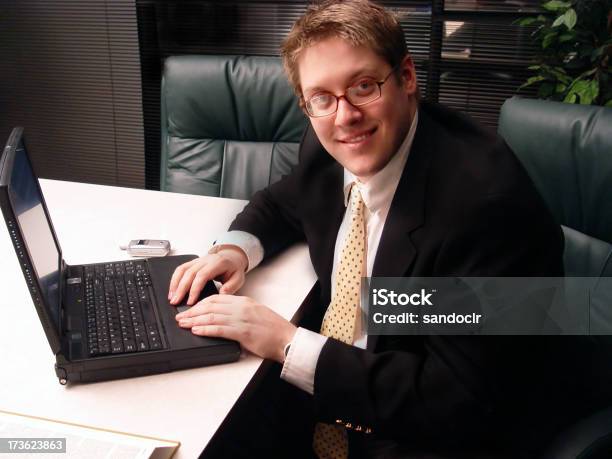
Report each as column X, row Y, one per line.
column 71, row 77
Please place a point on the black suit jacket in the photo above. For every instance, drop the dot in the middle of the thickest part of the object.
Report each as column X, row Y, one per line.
column 464, row 206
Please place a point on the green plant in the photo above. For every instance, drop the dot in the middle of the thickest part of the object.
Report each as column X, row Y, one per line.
column 573, row 64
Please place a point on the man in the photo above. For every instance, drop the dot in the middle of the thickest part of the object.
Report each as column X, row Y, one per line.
column 435, row 195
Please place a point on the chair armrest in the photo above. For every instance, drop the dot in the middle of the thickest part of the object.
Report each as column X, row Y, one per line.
column 590, row 438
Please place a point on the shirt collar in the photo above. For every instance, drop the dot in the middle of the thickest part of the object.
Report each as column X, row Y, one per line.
column 381, row 187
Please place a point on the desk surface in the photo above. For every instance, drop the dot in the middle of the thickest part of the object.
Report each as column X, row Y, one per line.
column 91, row 222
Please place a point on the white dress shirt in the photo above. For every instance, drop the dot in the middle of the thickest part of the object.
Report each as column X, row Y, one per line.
column 377, row 193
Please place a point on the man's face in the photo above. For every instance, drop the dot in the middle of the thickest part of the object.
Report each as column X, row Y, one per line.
column 363, row 139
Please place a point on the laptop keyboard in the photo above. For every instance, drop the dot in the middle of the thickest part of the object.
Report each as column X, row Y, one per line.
column 115, row 295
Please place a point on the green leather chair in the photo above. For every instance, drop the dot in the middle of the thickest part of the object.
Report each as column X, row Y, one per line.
column 231, row 125
column 567, row 151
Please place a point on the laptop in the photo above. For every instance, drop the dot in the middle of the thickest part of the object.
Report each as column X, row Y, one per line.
column 103, row 321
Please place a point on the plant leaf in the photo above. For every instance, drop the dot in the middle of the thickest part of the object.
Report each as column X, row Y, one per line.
column 570, row 18
column 586, row 90
column 540, row 29
column 568, row 36
column 591, row 93
column 559, row 74
column 525, row 21
column 571, row 95
column 570, row 98
column 548, row 39
column 556, row 5
column 587, row 73
column 531, row 80
column 560, row 20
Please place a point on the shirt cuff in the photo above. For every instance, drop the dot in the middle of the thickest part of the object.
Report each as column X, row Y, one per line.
column 301, row 362
column 248, row 243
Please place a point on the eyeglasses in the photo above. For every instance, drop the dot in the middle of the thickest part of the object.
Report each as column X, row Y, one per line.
column 363, row 92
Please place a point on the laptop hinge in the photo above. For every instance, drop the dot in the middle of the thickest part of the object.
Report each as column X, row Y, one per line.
column 62, row 294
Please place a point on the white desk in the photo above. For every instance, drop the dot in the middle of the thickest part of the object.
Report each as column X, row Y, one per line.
column 187, row 405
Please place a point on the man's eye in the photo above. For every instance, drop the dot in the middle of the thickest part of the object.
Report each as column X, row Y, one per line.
column 321, row 101
column 364, row 88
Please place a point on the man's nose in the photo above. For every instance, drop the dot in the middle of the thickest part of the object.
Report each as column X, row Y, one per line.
column 347, row 114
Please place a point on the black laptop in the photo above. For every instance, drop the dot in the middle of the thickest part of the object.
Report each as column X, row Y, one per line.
column 103, row 321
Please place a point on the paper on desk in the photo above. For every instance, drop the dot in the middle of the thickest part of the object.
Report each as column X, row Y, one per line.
column 84, row 441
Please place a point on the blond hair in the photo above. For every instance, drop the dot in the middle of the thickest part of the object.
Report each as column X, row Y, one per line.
column 360, row 22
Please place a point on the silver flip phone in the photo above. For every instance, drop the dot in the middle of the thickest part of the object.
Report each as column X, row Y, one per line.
column 148, row 247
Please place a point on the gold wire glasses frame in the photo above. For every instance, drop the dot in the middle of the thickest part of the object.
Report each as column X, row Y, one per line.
column 365, row 91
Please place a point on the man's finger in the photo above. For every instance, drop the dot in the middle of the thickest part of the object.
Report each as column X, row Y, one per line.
column 204, row 274
column 184, row 284
column 232, row 284
column 222, row 298
column 176, row 277
column 219, row 331
column 211, row 318
column 220, row 306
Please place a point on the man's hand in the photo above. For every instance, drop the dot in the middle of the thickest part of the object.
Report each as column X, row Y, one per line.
column 255, row 326
column 228, row 266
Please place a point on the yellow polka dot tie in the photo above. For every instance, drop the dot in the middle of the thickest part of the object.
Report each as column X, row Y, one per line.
column 330, row 440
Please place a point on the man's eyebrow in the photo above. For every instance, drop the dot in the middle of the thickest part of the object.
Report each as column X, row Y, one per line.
column 359, row 73
column 314, row 89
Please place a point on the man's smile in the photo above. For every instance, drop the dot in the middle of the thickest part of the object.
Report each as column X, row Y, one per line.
column 357, row 137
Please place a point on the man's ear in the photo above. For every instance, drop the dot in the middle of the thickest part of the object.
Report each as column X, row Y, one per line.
column 408, row 78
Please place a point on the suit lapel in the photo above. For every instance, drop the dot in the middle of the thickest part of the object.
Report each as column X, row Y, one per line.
column 396, row 251
column 330, row 218
column 322, row 211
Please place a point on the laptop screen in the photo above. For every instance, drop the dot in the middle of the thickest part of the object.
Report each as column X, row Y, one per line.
column 38, row 237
